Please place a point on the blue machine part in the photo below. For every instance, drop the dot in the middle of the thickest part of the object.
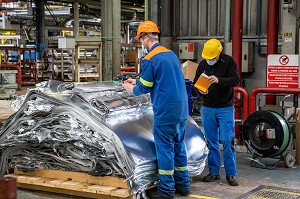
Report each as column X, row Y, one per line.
column 189, row 89
column 14, row 56
column 29, row 55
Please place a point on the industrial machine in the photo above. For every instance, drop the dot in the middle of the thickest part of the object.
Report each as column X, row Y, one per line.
column 267, row 134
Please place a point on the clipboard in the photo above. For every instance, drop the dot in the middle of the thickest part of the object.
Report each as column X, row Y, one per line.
column 203, row 83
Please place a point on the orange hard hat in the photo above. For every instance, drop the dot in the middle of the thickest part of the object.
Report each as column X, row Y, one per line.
column 146, row 27
column 212, row 48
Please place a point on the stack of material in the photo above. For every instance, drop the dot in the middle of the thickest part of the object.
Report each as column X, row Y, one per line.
column 8, row 84
column 95, row 128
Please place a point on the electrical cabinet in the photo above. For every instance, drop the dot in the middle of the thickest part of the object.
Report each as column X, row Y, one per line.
column 247, row 55
column 289, row 23
column 187, row 50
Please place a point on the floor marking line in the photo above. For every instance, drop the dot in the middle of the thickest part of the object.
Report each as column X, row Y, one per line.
column 200, row 197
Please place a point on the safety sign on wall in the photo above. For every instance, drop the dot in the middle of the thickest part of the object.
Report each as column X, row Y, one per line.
column 283, row 71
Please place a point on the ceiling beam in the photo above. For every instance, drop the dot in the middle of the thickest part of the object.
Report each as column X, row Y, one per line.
column 92, row 2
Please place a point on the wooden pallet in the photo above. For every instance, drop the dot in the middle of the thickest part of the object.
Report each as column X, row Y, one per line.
column 5, row 110
column 73, row 183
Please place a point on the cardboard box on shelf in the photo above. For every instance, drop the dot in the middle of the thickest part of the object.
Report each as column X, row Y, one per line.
column 189, row 70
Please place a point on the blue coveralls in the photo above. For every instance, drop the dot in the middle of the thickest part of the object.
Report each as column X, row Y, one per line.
column 162, row 77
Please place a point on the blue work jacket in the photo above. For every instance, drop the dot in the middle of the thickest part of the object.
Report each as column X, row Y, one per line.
column 163, row 79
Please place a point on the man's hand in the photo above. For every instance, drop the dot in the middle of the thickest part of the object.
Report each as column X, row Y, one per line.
column 128, row 87
column 213, row 79
column 130, row 81
column 203, row 92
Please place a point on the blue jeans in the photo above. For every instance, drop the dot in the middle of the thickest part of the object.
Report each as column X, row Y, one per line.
column 171, row 158
column 218, row 126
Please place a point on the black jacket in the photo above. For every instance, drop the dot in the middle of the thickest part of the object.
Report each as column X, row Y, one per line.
column 220, row 94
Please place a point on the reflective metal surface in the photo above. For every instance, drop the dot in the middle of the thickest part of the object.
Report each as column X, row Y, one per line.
column 96, row 128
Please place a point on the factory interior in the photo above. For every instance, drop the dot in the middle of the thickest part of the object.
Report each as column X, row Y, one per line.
column 70, row 129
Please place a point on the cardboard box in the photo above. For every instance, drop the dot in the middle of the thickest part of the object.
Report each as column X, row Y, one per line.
column 130, row 55
column 189, row 70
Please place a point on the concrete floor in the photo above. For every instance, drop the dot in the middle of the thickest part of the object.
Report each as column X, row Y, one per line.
column 248, row 177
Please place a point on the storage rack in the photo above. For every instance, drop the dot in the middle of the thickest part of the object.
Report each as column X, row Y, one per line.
column 58, row 63
column 25, row 58
column 88, row 62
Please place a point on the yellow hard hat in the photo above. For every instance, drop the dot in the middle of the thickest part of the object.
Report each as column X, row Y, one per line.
column 146, row 27
column 212, row 48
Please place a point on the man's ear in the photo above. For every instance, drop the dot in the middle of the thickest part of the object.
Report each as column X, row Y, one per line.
column 146, row 37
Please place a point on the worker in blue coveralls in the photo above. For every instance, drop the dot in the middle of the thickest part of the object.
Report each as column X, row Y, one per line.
column 163, row 79
column 217, row 111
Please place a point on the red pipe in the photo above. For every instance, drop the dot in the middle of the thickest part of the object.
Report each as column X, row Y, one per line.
column 19, row 75
column 269, row 90
column 272, row 35
column 245, row 101
column 272, row 39
column 128, row 69
column 237, row 33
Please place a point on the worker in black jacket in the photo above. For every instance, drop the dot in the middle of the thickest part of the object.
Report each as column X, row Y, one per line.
column 217, row 111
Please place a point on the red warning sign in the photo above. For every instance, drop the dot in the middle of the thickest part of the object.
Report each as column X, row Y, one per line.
column 284, row 60
column 283, row 71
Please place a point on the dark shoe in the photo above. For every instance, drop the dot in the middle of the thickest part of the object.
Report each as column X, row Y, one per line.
column 183, row 192
column 232, row 181
column 211, row 177
column 154, row 194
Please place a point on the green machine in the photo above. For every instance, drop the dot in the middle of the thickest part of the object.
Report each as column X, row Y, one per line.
column 267, row 135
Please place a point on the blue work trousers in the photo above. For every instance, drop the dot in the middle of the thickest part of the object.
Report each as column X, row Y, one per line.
column 171, row 158
column 218, row 126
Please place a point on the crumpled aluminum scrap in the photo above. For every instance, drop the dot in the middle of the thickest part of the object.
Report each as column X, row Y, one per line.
column 96, row 128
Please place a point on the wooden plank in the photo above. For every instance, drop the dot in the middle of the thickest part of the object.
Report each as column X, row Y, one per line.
column 69, row 192
column 85, row 75
column 108, row 181
column 56, row 183
column 5, row 110
column 121, row 193
column 12, row 175
column 77, row 177
column 35, row 180
column 57, row 174
column 71, row 187
column 22, row 179
column 45, row 182
column 105, row 190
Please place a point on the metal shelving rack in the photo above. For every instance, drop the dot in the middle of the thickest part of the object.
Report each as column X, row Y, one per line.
column 58, row 63
column 25, row 58
column 130, row 57
column 28, row 66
